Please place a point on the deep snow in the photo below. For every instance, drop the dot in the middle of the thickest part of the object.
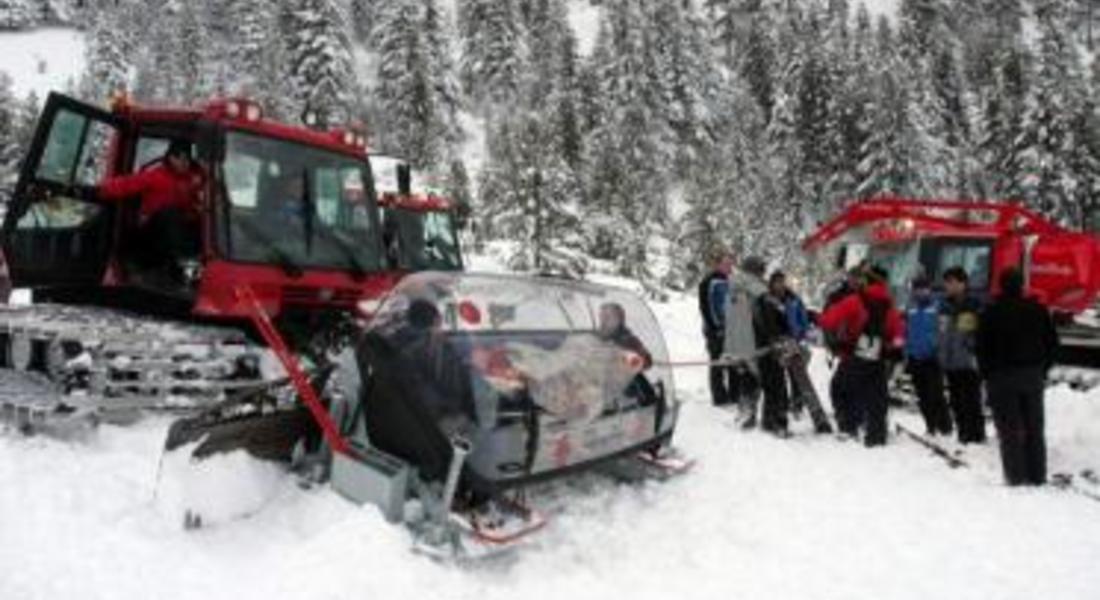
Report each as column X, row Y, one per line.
column 757, row 518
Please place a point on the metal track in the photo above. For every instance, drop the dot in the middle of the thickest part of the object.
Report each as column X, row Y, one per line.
column 107, row 362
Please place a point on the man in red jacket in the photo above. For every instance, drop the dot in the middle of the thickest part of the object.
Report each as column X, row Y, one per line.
column 866, row 328
column 168, row 219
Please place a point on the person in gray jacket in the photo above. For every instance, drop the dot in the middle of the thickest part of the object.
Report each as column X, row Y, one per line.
column 746, row 286
column 959, row 318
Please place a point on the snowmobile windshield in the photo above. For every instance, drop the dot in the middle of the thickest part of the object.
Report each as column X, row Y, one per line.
column 541, row 374
column 295, row 205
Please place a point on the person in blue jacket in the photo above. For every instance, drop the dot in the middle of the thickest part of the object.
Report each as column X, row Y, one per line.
column 922, row 357
column 798, row 325
column 713, row 291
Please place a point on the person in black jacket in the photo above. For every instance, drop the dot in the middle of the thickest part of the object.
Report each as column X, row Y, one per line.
column 959, row 321
column 771, row 327
column 713, row 291
column 1016, row 342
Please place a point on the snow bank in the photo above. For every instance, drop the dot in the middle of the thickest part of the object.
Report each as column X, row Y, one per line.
column 42, row 60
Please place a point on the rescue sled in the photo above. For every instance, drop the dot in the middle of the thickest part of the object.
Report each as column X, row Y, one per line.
column 472, row 388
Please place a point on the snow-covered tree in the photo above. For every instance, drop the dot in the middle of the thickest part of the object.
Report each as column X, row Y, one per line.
column 1047, row 142
column 530, row 196
column 627, row 163
column 319, row 58
column 491, row 49
column 415, row 112
column 9, row 142
column 107, row 62
column 17, row 14
column 258, row 57
column 192, row 50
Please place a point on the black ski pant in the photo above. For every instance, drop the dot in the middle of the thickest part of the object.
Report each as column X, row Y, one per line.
column 721, row 378
column 928, row 382
column 803, row 393
column 728, row 384
column 166, row 236
column 965, row 390
column 860, row 397
column 1016, row 397
column 773, row 378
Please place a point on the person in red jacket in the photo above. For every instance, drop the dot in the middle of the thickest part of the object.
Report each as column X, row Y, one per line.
column 867, row 329
column 168, row 218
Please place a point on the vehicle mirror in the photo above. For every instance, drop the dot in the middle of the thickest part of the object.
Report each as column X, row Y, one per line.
column 404, row 179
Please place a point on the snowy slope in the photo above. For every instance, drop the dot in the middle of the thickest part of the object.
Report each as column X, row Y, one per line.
column 758, row 518
column 42, row 60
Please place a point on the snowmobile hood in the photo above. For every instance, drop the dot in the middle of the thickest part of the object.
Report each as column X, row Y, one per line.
column 540, row 376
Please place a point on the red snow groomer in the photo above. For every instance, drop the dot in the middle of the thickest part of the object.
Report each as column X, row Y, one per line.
column 910, row 237
column 285, row 222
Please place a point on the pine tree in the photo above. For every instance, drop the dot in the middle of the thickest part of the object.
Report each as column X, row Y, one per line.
column 9, row 143
column 413, row 116
column 758, row 62
column 627, row 179
column 319, row 57
column 191, row 54
column 26, row 121
column 155, row 79
column 1047, row 142
column 258, row 57
column 17, row 14
column 686, row 76
column 491, row 49
column 457, row 190
column 106, row 58
column 529, row 196
column 883, row 160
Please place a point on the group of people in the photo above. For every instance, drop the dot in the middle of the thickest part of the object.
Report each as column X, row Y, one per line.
column 1008, row 345
column 755, row 331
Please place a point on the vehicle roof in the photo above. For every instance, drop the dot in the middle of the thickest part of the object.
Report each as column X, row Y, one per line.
column 216, row 111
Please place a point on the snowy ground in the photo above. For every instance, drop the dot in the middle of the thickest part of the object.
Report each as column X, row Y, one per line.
column 43, row 60
column 757, row 518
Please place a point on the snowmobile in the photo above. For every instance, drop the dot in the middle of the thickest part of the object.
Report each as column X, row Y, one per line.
column 109, row 337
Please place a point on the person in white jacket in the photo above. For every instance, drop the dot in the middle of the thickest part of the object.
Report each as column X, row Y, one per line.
column 746, row 285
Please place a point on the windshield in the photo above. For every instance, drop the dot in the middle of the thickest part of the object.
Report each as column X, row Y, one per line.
column 294, row 205
column 421, row 241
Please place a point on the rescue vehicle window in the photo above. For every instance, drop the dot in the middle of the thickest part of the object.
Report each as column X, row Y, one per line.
column 439, row 241
column 75, row 151
column 974, row 258
column 293, row 203
column 148, row 150
column 58, row 212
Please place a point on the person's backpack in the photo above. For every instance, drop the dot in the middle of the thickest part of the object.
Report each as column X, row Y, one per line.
column 869, row 344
